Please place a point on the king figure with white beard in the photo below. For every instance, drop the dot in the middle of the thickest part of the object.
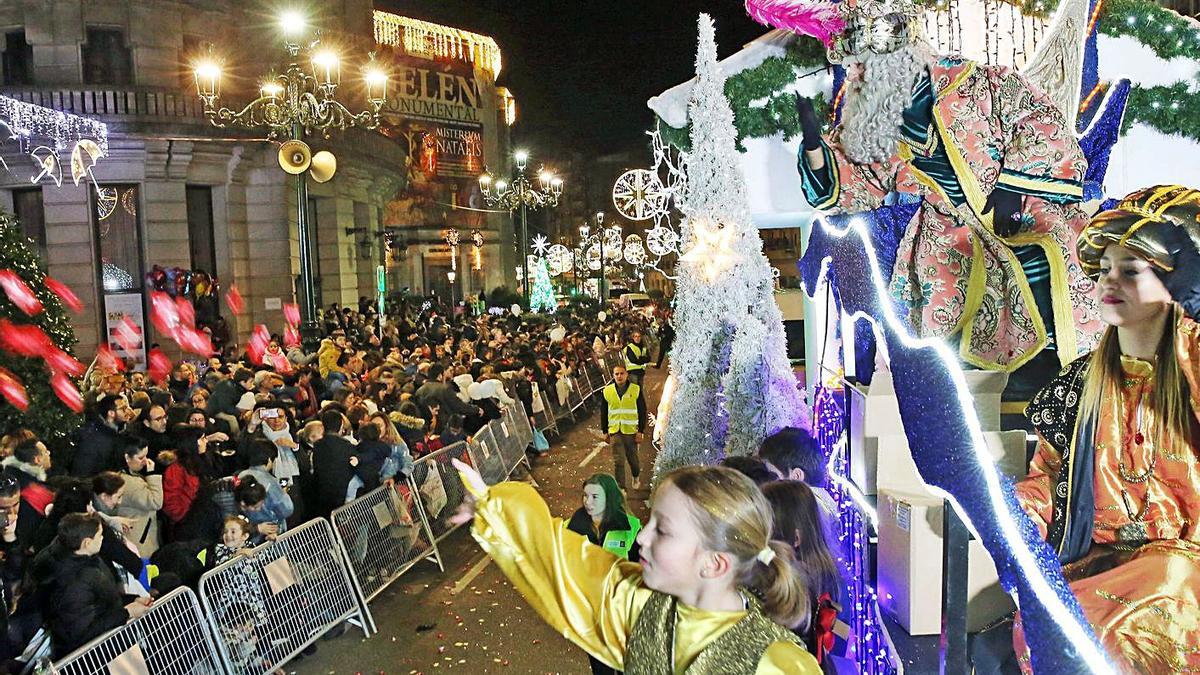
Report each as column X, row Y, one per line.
column 989, row 258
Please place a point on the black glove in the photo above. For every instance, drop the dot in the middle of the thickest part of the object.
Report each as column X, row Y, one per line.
column 1184, row 281
column 1006, row 211
column 810, row 126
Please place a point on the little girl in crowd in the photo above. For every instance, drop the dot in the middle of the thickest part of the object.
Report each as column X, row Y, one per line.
column 713, row 592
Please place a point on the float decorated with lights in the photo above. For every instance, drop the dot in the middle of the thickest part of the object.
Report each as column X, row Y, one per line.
column 1120, row 76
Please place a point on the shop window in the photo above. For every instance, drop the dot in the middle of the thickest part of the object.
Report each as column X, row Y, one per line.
column 200, row 228
column 118, row 237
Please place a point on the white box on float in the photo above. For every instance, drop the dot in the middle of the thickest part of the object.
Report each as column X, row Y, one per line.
column 875, row 416
column 910, row 567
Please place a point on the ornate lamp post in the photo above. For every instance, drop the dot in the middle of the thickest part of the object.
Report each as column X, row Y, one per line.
column 292, row 106
column 521, row 194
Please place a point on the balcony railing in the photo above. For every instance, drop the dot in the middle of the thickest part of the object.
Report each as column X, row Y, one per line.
column 127, row 102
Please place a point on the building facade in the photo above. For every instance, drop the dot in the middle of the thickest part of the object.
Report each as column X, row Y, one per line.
column 176, row 192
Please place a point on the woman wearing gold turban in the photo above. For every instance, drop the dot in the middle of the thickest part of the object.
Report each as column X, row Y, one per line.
column 1115, row 483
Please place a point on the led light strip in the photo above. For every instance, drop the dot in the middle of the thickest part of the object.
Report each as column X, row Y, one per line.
column 1081, row 636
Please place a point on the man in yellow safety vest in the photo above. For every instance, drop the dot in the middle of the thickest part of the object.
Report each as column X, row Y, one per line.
column 623, row 420
column 636, row 356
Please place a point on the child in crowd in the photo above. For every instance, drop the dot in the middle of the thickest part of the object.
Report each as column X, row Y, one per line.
column 713, row 593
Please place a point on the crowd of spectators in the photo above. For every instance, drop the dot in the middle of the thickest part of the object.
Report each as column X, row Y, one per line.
column 165, row 479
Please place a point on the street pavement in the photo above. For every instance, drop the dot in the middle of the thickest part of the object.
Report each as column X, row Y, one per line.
column 469, row 619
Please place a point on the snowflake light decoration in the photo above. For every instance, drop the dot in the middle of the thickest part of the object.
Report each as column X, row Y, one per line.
column 638, row 194
column 559, row 259
column 540, row 245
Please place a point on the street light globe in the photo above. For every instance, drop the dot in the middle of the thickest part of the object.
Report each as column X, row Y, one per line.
column 292, row 22
column 271, row 89
column 209, row 70
column 326, row 58
column 375, row 77
column 522, row 158
column 501, row 185
column 545, row 177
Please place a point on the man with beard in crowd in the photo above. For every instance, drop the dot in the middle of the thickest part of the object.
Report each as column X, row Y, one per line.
column 100, row 440
column 1000, row 175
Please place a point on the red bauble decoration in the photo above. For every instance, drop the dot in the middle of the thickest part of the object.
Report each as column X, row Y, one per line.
column 13, row 390
column 66, row 392
column 24, row 339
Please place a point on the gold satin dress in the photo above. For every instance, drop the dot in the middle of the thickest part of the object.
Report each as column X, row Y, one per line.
column 1143, row 604
column 590, row 596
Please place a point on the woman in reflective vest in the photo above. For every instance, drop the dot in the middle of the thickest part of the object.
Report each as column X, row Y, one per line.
column 603, row 520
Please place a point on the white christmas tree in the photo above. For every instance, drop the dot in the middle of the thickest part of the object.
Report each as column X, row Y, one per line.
column 541, row 295
column 733, row 384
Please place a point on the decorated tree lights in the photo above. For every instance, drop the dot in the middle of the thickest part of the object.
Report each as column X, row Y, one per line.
column 732, row 383
column 36, row 338
column 541, row 297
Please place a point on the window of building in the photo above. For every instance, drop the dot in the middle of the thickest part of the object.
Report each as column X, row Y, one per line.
column 118, row 237
column 18, row 59
column 200, row 228
column 31, row 215
column 106, row 57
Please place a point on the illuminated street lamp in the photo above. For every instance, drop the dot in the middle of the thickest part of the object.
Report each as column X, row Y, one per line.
column 292, row 106
column 521, row 194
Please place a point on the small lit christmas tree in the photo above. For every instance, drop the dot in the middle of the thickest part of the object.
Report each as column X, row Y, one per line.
column 46, row 415
column 541, row 296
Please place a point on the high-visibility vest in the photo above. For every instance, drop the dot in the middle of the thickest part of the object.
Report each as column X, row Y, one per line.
column 618, row 542
column 622, row 410
column 637, row 352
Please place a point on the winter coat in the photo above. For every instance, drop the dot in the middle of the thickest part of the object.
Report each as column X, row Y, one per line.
column 444, row 396
column 98, row 449
column 327, row 357
column 278, row 507
column 84, row 593
column 143, row 499
column 224, row 399
column 331, row 464
column 35, row 497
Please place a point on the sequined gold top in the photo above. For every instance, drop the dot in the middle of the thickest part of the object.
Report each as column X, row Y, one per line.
column 1167, row 502
column 591, row 596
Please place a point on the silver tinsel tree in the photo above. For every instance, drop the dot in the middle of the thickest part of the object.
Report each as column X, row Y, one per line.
column 733, row 382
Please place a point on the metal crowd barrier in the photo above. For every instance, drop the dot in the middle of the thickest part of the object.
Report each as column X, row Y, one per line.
column 384, row 534
column 512, row 444
column 577, row 397
column 172, row 638
column 545, row 419
column 515, row 416
column 485, row 456
column 267, row 606
column 440, row 489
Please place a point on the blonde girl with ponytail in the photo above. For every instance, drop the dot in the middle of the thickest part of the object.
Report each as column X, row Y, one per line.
column 712, row 593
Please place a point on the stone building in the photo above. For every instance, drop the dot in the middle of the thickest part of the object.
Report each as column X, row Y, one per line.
column 176, row 191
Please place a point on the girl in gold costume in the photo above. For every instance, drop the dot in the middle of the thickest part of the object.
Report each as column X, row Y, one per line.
column 712, row 593
column 1115, row 483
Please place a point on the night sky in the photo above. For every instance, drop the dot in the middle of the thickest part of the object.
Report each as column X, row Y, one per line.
column 582, row 70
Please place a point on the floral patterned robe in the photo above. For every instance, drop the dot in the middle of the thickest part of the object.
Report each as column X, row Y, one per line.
column 953, row 274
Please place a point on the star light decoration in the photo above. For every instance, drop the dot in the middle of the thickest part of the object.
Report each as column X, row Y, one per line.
column 540, row 245
column 712, row 249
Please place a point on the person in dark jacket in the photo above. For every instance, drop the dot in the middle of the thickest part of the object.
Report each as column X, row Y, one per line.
column 438, row 390
column 28, row 466
column 74, row 496
column 605, row 523
column 152, row 430
column 222, row 404
column 12, row 564
column 100, row 441
column 70, row 577
column 333, row 463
